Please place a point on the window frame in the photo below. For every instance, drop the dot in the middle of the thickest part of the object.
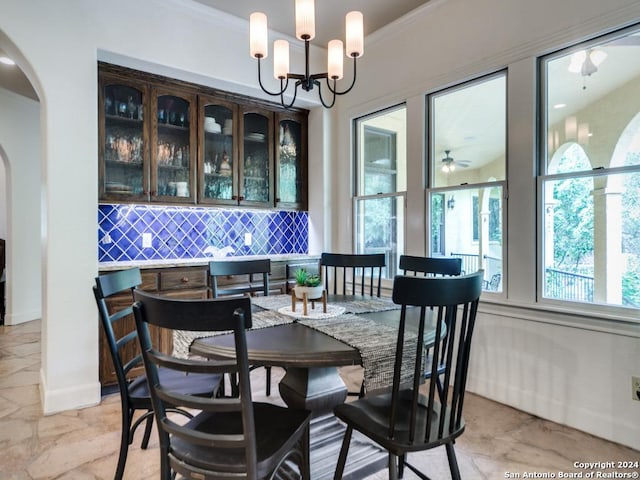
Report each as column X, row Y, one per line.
column 358, row 177
column 446, row 190
column 609, row 312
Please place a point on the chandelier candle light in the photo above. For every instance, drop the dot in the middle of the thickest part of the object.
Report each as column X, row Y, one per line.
column 305, row 30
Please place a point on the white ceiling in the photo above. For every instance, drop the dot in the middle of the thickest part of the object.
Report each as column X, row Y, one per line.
column 329, row 14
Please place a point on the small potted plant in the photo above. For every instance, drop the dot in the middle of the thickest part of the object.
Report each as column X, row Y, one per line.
column 308, row 283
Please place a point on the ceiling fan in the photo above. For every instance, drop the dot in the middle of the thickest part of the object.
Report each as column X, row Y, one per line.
column 586, row 62
column 449, row 164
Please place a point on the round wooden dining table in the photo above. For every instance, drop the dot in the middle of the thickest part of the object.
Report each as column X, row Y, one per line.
column 312, row 382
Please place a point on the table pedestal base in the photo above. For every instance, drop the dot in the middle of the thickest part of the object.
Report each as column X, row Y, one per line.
column 320, row 390
column 316, row 389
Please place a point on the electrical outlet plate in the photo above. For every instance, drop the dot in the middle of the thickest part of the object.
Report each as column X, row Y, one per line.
column 635, row 388
column 247, row 239
column 146, row 240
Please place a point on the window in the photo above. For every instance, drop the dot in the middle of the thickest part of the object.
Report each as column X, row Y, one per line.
column 590, row 172
column 467, row 151
column 380, row 185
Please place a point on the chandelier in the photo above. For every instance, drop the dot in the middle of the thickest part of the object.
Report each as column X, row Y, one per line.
column 305, row 30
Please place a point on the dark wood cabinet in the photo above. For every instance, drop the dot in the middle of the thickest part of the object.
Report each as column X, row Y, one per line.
column 256, row 157
column 173, row 145
column 218, row 151
column 291, row 160
column 124, row 140
column 167, row 141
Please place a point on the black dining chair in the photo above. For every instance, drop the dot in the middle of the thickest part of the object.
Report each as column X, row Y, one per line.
column 433, row 267
column 228, row 437
column 345, row 268
column 430, row 266
column 410, row 418
column 227, row 268
column 252, row 268
column 120, row 333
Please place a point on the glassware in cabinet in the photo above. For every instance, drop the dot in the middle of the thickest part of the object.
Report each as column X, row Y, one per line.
column 123, row 152
column 218, row 170
column 256, row 174
column 173, row 172
column 291, row 166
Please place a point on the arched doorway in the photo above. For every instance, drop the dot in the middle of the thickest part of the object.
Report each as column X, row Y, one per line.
column 20, row 186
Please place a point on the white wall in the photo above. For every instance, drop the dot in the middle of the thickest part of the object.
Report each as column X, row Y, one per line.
column 20, row 144
column 571, row 368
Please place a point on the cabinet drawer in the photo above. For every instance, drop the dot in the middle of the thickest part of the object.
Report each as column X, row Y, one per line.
column 183, row 279
column 187, row 294
column 149, row 281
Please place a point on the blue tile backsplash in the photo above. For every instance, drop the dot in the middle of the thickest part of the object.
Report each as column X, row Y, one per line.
column 196, row 232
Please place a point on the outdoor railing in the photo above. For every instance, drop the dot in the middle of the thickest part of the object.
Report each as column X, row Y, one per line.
column 559, row 284
column 563, row 285
column 469, row 262
column 491, row 265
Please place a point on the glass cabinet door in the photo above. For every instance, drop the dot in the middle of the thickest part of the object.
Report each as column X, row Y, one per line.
column 218, row 169
column 256, row 176
column 173, row 175
column 290, row 167
column 123, row 153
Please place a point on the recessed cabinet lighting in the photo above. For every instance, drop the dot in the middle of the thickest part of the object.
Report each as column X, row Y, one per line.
column 558, row 106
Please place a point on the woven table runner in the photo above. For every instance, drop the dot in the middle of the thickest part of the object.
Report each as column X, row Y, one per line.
column 376, row 344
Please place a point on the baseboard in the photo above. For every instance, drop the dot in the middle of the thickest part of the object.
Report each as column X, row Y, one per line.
column 22, row 317
column 75, row 397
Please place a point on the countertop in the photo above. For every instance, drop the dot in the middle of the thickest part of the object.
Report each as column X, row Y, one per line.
column 194, row 262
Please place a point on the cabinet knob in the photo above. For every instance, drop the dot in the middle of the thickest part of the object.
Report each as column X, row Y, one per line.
column 277, row 200
column 234, row 197
column 184, row 279
column 240, row 198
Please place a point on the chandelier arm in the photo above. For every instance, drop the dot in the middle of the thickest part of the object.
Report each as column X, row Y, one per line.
column 325, row 105
column 273, row 94
column 295, row 94
column 335, row 91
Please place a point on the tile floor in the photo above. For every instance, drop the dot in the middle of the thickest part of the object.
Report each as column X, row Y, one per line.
column 83, row 444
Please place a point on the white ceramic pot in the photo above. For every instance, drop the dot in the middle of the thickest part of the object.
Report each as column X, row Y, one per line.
column 313, row 293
